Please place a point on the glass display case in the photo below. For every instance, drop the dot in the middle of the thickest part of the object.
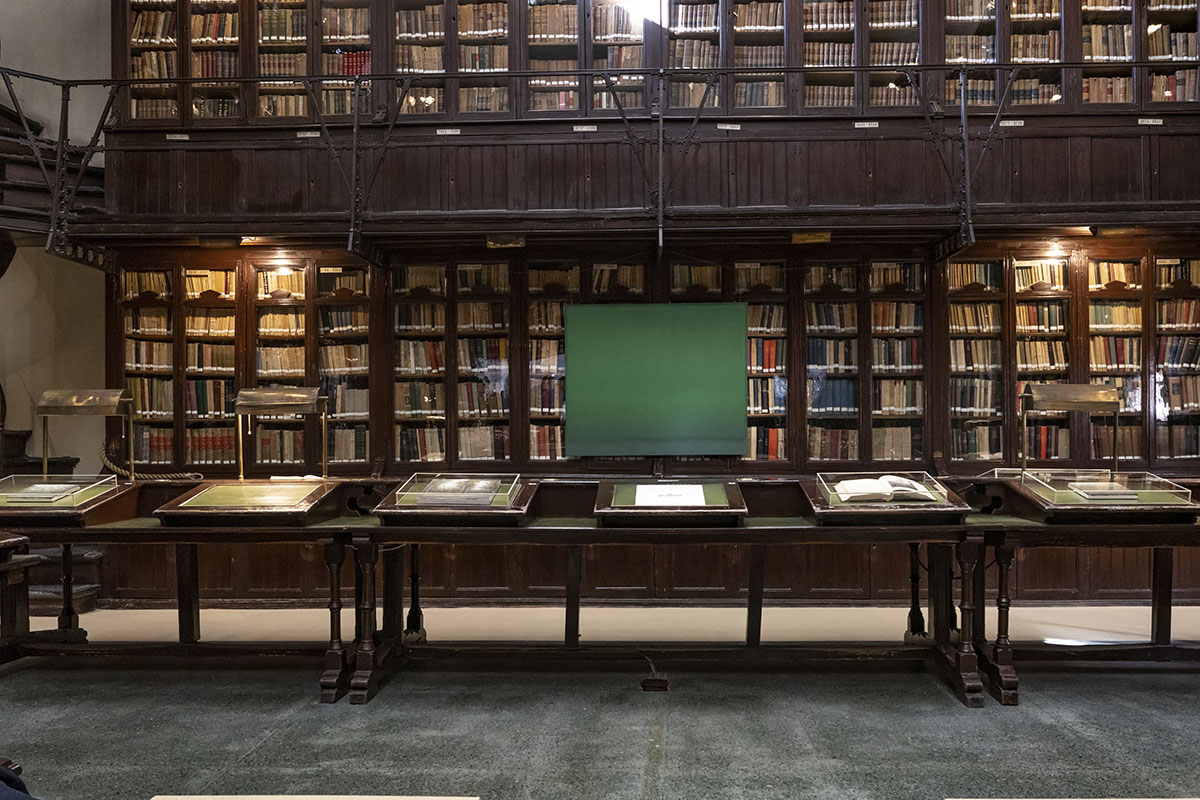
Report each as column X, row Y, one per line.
column 53, row 491
column 446, row 489
column 282, row 51
column 618, row 43
column 1084, row 487
column 1107, row 39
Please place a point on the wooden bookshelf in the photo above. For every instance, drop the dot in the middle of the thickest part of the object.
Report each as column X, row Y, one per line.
column 977, row 400
column 419, row 311
column 763, row 285
column 898, row 386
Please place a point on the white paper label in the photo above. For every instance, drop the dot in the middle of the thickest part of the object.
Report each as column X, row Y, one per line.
column 670, row 494
column 866, row 124
column 1151, row 121
column 583, row 128
column 448, row 131
column 177, row 137
column 728, row 126
column 307, row 134
column 1012, row 123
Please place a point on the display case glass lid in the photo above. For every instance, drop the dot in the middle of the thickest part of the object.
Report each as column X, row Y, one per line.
column 53, row 491
column 431, row 489
column 1101, row 487
column 688, row 493
column 862, row 489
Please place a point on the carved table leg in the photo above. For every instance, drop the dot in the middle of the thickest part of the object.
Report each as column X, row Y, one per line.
column 960, row 660
column 916, row 633
column 187, row 591
column 392, row 576
column 68, row 631
column 574, row 584
column 335, row 679
column 941, row 597
column 997, row 662
column 1162, row 588
column 365, row 680
column 754, row 600
column 414, row 629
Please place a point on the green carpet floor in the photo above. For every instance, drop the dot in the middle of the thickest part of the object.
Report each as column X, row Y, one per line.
column 86, row 733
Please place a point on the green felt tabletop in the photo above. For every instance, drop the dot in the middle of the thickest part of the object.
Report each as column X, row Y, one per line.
column 625, row 495
column 1144, row 497
column 136, row 522
column 70, row 501
column 251, row 495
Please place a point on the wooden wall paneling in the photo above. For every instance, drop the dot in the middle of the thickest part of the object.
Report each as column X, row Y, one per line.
column 139, row 571
column 1175, row 181
column 1041, row 172
column 700, row 570
column 1187, row 572
column 619, row 571
column 797, row 161
column 435, row 564
column 550, row 175
column 897, row 164
column 261, row 189
column 616, row 177
column 837, row 571
column 889, row 572
column 760, row 173
column 543, row 568
column 483, row 571
column 785, row 569
column 412, row 177
column 1052, row 573
column 150, row 183
column 1117, row 174
column 1081, row 169
column 212, row 180
column 326, row 189
column 481, row 176
column 695, row 178
column 836, row 172
column 277, row 570
column 217, row 570
column 1119, row 573
column 988, row 176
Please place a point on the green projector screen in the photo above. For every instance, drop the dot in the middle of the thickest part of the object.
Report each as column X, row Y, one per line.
column 656, row 380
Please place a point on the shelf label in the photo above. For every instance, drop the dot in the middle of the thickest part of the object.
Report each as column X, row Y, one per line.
column 1150, row 121
column 583, row 128
column 866, row 124
column 1012, row 123
column 448, row 131
column 728, row 126
column 307, row 134
column 177, row 137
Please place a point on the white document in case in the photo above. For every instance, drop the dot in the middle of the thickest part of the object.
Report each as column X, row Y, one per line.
column 671, row 494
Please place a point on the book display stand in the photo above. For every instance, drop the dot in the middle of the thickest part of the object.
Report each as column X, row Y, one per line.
column 686, row 502
column 864, row 498
column 458, row 499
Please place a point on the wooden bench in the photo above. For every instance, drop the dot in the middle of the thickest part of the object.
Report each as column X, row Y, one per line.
column 14, row 590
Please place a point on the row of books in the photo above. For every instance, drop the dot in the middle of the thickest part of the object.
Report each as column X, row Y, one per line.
column 832, row 395
column 287, row 322
column 759, row 93
column 766, row 318
column 693, row 54
column 829, row 54
column 694, row 18
column 547, row 357
column 332, row 280
column 975, row 355
column 346, row 63
column 897, row 317
column 153, row 445
column 424, row 100
column 483, row 98
column 208, row 399
column 152, row 27
column 897, row 396
column 1041, row 48
column 277, row 25
column 974, row 317
column 1102, row 273
column 976, row 396
column 1107, row 42
column 420, row 317
column 685, row 276
column 552, row 23
column 349, row 444
column 344, row 359
column 896, row 442
column 547, row 395
column 154, row 282
column 1182, row 392
column 1129, row 441
column 766, row 395
column 420, row 443
column 751, row 275
column 283, row 282
column 831, row 317
column 144, row 355
column 419, row 358
column 426, row 278
column 1043, row 317
column 546, row 278
column 1047, row 441
column 198, row 281
column 615, row 22
column 824, row 15
column 546, row 443
column 832, row 444
column 970, row 10
column 620, row 57
column 483, row 20
column 420, row 23
column 827, row 95
column 1178, row 86
column 152, row 64
column 1164, row 44
column 1114, row 316
column 821, row 277
column 766, row 355
column 902, row 275
column 1040, row 275
column 1178, row 440
column 832, row 355
column 1036, row 10
column 1042, row 355
column 977, row 442
column 1179, row 352
column 758, row 16
column 215, row 64
column 477, row 399
column 280, row 445
column 609, row 277
column 482, row 355
column 1115, row 352
column 153, row 398
column 346, row 400
column 491, row 278
column 419, row 399
column 765, row 443
column 345, row 320
column 970, row 49
column 894, row 53
column 1025, row 92
column 282, row 105
column 280, row 362
column 482, row 316
column 892, row 13
column 1108, row 90
column 147, row 321
column 153, row 108
column 1129, row 389
column 546, row 316
column 220, row 28
column 345, row 24
column 896, row 355
column 483, row 442
column 892, row 96
column 210, row 445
